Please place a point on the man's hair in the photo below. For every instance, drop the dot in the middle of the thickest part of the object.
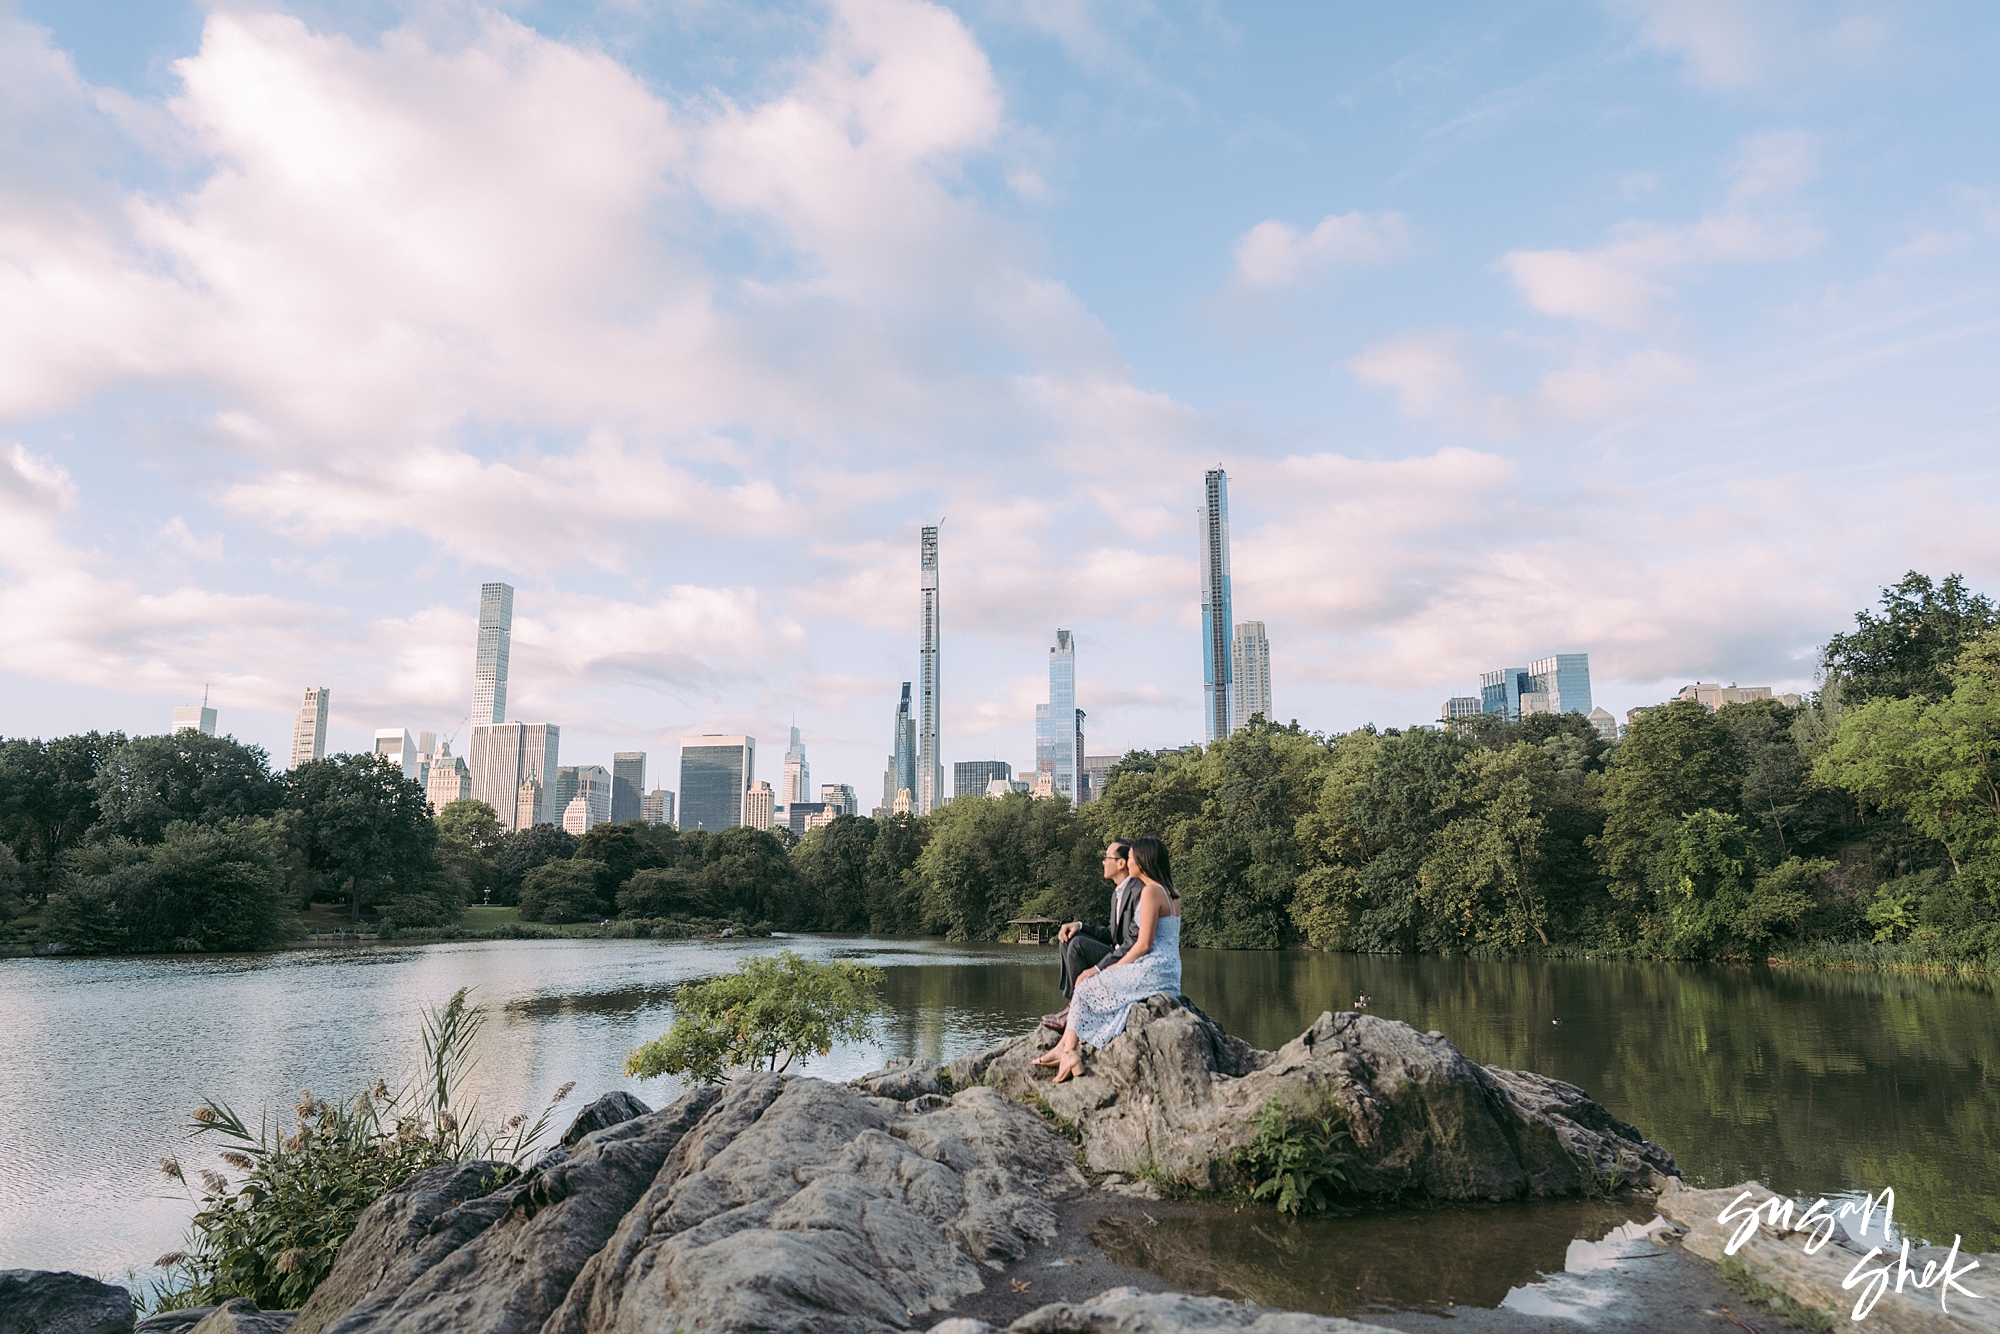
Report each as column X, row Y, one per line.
column 1121, row 846
column 1150, row 855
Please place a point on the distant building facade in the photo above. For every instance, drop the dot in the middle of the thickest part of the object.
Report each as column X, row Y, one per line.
column 1712, row 697
column 309, row 728
column 1557, row 684
column 489, row 662
column 396, row 745
column 971, row 778
column 759, row 804
column 449, row 780
column 658, row 807
column 900, row 774
column 628, row 786
column 716, row 771
column 840, row 798
column 1460, row 707
column 1605, row 725
column 1500, row 691
column 930, row 759
column 798, row 773
column 506, row 757
column 1250, row 664
column 1096, row 769
column 194, row 718
column 1056, row 750
column 1213, row 520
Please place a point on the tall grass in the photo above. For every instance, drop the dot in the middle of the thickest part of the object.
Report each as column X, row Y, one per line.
column 272, row 1234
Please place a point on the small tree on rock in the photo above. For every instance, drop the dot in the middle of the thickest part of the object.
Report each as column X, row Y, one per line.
column 770, row 1008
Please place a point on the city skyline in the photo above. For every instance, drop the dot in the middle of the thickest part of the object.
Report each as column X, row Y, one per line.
column 1492, row 355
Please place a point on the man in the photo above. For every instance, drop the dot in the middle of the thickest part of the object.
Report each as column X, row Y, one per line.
column 1087, row 947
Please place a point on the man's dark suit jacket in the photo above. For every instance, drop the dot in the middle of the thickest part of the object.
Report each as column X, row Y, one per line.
column 1124, row 928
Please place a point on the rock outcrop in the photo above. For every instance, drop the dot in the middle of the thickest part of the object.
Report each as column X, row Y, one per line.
column 40, row 1301
column 1174, row 1094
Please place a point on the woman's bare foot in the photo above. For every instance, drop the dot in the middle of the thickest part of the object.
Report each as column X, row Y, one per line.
column 1053, row 1056
column 1070, row 1068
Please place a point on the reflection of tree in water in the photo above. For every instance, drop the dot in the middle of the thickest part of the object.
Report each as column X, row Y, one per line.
column 618, row 1001
column 1343, row 1265
column 1812, row 1081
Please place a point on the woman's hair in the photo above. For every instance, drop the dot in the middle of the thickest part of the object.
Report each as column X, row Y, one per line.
column 1150, row 856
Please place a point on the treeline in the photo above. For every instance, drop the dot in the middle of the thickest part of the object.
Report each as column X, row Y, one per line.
column 1869, row 815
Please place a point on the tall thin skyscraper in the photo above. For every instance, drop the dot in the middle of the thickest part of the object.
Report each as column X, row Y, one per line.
column 489, row 666
column 798, row 773
column 628, row 785
column 1056, row 723
column 1215, row 622
column 930, row 765
column 309, row 728
column 1250, row 664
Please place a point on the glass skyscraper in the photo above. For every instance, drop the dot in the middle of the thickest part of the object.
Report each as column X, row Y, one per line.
column 1056, row 752
column 900, row 774
column 628, row 785
column 1500, row 691
column 1215, row 609
column 930, row 763
column 798, row 773
column 505, row 757
column 1250, row 664
column 970, row 777
column 309, row 728
column 489, row 664
column 716, row 771
column 1565, row 681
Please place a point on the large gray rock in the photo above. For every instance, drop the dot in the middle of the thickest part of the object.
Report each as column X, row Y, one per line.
column 41, row 1301
column 239, row 1315
column 609, row 1110
column 512, row 1274
column 1175, row 1093
column 1130, row 1311
column 406, row 1232
column 799, row 1205
column 173, row 1322
column 902, row 1079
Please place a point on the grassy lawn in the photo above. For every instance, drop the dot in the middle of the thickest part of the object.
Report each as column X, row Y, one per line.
column 482, row 918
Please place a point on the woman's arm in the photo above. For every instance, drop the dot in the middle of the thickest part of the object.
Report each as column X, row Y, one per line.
column 1151, row 900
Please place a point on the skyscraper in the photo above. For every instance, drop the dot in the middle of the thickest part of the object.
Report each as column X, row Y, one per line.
column 309, row 728
column 716, row 772
column 1250, row 664
column 798, row 774
column 970, row 778
column 1564, row 682
column 901, row 772
column 658, row 807
column 505, row 757
column 1055, row 722
column 1215, row 610
column 628, row 785
column 1500, row 691
column 449, row 780
column 591, row 804
column 930, row 764
column 839, row 797
column 195, row 717
column 489, row 664
column 396, row 745
column 759, row 805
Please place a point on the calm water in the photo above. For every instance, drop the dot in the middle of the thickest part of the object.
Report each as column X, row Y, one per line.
column 1817, row 1083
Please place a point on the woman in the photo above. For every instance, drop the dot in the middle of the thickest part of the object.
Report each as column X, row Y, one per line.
column 1104, row 996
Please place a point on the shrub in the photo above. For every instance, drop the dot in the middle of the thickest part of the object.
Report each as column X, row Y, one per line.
column 273, row 1235
column 661, row 891
column 1296, row 1162
column 202, row 888
column 771, row 1007
column 561, row 891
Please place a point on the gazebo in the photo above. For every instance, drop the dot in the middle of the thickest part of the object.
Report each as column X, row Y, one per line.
column 1034, row 930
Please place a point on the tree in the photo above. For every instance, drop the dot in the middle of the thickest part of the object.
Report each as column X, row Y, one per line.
column 1676, row 760
column 747, row 875
column 1909, row 649
column 366, row 828
column 471, row 840
column 1328, row 901
column 1413, row 791
column 989, row 860
column 833, row 865
column 1239, row 861
column 1719, row 901
column 895, row 893
column 201, row 888
column 622, row 849
column 663, row 891
column 10, row 884
column 1487, row 872
column 152, row 781
column 769, row 1008
column 528, row 848
column 48, row 801
column 562, row 891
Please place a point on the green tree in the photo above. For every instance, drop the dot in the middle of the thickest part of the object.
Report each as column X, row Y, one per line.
column 1328, row 901
column 664, row 891
column 746, row 874
column 1413, row 791
column 833, row 866
column 471, row 840
column 48, row 801
column 201, row 888
column 1239, row 862
column 368, row 831
column 1676, row 760
column 528, row 848
column 151, row 782
column 623, row 850
column 1720, row 902
column 769, row 1008
column 895, row 892
column 1487, row 873
column 563, row 891
column 1910, row 647
column 986, row 861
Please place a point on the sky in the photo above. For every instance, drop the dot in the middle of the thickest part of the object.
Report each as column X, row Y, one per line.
column 1658, row 330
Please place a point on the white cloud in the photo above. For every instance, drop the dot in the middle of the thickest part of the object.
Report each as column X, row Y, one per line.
column 1277, row 254
column 1738, row 44
column 1427, row 371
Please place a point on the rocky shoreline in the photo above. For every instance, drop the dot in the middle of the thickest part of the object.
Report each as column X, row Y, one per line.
column 896, row 1202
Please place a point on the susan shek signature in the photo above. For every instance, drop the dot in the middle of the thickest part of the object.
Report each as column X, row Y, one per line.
column 1820, row 1219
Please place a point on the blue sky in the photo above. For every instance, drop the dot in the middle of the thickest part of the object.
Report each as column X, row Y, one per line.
column 1660, row 330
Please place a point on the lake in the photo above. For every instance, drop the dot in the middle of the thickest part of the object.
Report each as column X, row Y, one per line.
column 1815, row 1082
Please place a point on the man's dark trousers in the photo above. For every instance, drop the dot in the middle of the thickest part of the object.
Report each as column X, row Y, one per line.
column 1079, row 952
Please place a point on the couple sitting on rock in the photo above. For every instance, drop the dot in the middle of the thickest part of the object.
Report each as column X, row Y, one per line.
column 1106, row 970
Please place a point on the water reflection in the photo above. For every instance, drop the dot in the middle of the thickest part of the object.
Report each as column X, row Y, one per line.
column 1345, row 1265
column 1814, row 1082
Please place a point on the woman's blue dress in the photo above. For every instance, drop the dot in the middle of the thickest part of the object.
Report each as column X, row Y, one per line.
column 1101, row 1003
